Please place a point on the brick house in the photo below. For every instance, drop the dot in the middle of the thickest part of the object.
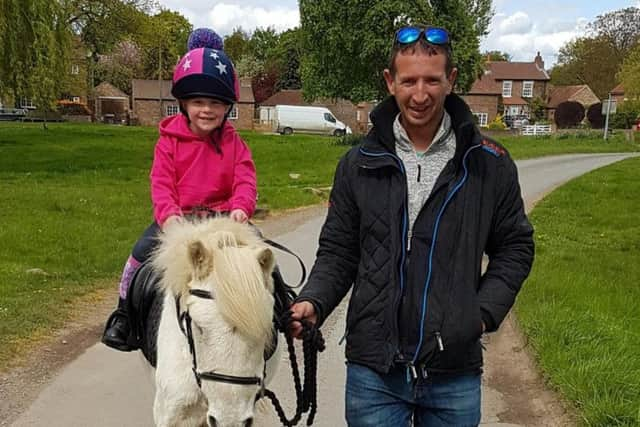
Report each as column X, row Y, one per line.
column 151, row 101
column 356, row 116
column 576, row 93
column 506, row 88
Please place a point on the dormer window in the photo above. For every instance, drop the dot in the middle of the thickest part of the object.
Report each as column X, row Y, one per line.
column 506, row 88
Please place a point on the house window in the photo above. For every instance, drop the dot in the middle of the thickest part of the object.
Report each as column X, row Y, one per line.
column 75, row 69
column 26, row 103
column 506, row 88
column 482, row 119
column 172, row 109
column 233, row 114
column 527, row 89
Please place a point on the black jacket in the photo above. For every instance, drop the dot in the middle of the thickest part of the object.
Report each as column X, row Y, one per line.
column 422, row 291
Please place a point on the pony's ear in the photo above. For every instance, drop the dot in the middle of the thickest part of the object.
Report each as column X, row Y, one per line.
column 201, row 259
column 266, row 259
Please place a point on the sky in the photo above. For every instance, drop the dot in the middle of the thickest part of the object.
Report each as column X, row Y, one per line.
column 519, row 28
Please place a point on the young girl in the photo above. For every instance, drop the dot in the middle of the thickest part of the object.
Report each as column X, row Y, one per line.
column 199, row 162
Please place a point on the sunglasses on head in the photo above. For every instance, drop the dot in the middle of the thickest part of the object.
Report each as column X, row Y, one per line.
column 433, row 35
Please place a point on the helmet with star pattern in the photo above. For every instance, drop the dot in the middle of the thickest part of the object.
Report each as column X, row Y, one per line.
column 205, row 72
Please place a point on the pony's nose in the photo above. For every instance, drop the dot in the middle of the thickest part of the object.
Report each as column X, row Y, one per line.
column 212, row 421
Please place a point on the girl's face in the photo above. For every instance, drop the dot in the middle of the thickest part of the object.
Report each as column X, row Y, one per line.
column 205, row 114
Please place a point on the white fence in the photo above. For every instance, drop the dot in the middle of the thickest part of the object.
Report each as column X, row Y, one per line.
column 536, row 130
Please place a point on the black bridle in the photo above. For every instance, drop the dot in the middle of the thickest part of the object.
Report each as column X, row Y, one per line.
column 313, row 343
column 184, row 320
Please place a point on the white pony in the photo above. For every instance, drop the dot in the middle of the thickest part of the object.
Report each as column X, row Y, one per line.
column 216, row 279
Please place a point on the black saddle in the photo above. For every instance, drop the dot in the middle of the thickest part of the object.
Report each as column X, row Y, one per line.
column 145, row 301
column 144, row 307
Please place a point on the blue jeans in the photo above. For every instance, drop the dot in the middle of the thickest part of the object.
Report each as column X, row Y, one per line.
column 377, row 400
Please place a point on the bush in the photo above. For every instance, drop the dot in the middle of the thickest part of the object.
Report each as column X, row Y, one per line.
column 349, row 139
column 626, row 116
column 595, row 117
column 497, row 123
column 569, row 114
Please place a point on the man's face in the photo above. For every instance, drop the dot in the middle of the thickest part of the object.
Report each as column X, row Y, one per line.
column 420, row 86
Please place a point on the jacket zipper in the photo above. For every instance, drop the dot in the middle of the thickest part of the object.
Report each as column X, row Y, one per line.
column 430, row 260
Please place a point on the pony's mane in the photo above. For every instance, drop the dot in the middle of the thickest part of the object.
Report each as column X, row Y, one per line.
column 243, row 290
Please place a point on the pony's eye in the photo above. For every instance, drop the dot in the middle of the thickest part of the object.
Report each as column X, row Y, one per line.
column 248, row 422
column 212, row 421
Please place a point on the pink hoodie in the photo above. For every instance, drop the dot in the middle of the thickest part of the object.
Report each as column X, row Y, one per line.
column 188, row 171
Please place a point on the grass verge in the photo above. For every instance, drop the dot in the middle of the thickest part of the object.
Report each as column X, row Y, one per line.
column 579, row 306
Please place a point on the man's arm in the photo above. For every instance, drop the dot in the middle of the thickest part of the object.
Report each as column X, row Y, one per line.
column 338, row 253
column 510, row 249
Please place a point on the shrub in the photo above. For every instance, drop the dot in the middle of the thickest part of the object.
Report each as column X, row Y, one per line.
column 595, row 117
column 569, row 114
column 497, row 123
column 350, row 139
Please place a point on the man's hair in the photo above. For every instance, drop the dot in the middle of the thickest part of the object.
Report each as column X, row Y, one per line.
column 426, row 47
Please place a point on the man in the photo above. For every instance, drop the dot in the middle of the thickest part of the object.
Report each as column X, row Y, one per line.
column 411, row 213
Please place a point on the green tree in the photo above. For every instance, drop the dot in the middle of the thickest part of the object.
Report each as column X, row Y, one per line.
column 34, row 50
column 288, row 54
column 537, row 109
column 103, row 23
column 236, row 44
column 587, row 61
column 263, row 44
column 620, row 28
column 163, row 40
column 347, row 42
column 630, row 74
column 596, row 60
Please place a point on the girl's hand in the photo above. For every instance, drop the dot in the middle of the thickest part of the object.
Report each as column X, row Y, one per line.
column 238, row 215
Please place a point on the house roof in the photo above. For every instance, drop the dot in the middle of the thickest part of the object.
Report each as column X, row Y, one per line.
column 485, row 85
column 560, row 94
column 618, row 90
column 150, row 90
column 107, row 89
column 503, row 70
column 514, row 100
column 284, row 97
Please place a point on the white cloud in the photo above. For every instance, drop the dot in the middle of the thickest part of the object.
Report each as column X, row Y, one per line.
column 518, row 23
column 518, row 35
column 224, row 17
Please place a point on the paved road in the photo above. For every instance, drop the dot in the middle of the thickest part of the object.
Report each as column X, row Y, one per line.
column 105, row 388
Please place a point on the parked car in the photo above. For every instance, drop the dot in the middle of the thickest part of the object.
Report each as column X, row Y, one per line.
column 294, row 118
column 12, row 113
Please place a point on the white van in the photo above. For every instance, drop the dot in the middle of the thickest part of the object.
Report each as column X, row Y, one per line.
column 293, row 118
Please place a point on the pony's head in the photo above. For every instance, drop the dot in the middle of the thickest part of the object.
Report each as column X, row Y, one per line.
column 219, row 273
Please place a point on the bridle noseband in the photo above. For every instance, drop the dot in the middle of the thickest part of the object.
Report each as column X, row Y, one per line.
column 185, row 319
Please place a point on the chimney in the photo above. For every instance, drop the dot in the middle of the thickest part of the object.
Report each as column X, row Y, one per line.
column 539, row 62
